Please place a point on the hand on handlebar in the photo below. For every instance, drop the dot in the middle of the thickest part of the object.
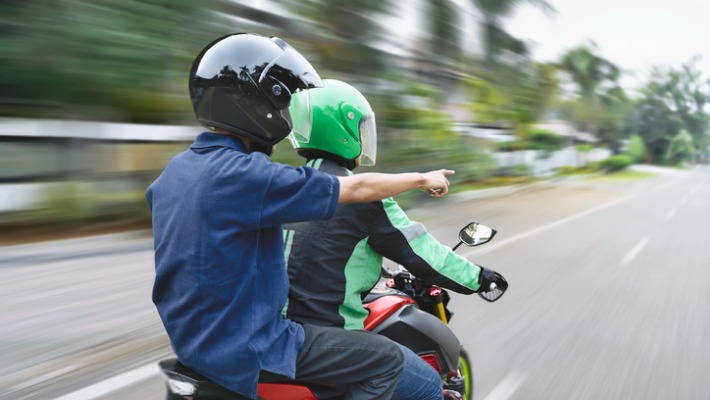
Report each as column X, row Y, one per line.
column 491, row 280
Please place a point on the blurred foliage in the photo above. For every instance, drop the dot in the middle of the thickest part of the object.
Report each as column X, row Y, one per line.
column 78, row 207
column 121, row 60
column 613, row 118
column 128, row 61
column 618, row 177
column 583, row 151
column 583, row 148
column 636, row 149
column 516, row 170
column 616, row 163
column 600, row 105
column 539, row 139
column 568, row 170
column 497, row 43
column 519, row 100
column 681, row 149
column 419, row 137
column 340, row 33
column 672, row 101
column 547, row 137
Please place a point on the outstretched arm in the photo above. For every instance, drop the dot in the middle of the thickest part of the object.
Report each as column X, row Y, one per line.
column 408, row 243
column 374, row 186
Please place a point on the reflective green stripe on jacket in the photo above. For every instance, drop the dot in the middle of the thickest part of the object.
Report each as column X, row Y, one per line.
column 334, row 263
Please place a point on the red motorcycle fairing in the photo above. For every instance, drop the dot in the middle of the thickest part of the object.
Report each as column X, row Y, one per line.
column 384, row 306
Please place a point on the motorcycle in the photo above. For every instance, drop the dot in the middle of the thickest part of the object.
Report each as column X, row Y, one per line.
column 404, row 309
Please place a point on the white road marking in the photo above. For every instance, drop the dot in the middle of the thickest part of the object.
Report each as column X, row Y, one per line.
column 112, row 384
column 657, row 188
column 634, row 251
column 698, row 186
column 506, row 387
column 43, row 378
column 495, row 246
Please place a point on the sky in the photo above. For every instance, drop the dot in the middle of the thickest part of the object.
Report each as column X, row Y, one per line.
column 633, row 34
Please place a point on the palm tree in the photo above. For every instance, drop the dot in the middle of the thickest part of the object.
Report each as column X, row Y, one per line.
column 495, row 38
column 344, row 32
column 445, row 28
column 592, row 74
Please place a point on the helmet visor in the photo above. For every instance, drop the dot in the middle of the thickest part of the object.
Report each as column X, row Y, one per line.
column 292, row 69
column 301, row 117
column 368, row 140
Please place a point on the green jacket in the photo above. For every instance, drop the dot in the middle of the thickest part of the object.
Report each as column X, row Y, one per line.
column 333, row 264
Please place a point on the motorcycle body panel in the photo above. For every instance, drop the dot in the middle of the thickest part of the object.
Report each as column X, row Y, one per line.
column 284, row 391
column 424, row 334
column 383, row 302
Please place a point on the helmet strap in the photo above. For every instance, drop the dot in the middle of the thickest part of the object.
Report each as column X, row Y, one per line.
column 310, row 154
column 262, row 148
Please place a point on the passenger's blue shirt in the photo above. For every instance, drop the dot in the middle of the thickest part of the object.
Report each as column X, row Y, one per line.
column 220, row 279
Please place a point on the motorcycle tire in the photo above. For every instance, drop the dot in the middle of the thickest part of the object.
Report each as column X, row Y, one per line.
column 466, row 370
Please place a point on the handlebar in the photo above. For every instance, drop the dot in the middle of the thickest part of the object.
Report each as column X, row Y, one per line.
column 496, row 290
column 405, row 281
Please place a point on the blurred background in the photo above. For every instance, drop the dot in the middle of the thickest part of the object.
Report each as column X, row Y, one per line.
column 93, row 104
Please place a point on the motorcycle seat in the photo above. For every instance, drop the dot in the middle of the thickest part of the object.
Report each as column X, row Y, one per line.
column 200, row 385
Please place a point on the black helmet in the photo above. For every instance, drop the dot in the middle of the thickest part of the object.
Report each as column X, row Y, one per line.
column 243, row 82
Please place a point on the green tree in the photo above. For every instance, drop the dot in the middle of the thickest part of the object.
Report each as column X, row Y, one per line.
column 413, row 134
column 496, row 41
column 593, row 75
column 636, row 148
column 444, row 25
column 674, row 99
column 614, row 106
column 681, row 149
column 114, row 60
column 520, row 101
column 342, row 33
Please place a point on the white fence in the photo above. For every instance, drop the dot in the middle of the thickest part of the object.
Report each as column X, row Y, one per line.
column 15, row 196
column 545, row 164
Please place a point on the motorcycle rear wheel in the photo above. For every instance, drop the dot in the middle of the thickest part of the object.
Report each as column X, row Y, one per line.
column 466, row 371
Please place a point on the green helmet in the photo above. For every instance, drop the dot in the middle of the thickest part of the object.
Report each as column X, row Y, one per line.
column 343, row 124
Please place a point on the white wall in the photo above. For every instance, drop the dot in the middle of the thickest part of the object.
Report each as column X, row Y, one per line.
column 546, row 166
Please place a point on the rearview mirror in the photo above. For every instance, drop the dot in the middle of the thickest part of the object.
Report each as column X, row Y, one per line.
column 475, row 234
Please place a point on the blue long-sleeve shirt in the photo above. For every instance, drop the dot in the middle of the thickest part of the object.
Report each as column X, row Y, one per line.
column 220, row 277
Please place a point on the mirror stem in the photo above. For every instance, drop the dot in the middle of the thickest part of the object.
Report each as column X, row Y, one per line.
column 457, row 246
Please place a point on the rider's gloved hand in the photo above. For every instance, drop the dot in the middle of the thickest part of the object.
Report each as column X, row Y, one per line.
column 488, row 277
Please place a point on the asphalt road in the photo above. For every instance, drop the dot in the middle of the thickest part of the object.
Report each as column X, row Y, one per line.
column 609, row 299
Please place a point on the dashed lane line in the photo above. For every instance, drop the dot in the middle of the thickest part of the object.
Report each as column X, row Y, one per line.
column 634, row 251
column 506, row 387
column 112, row 384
